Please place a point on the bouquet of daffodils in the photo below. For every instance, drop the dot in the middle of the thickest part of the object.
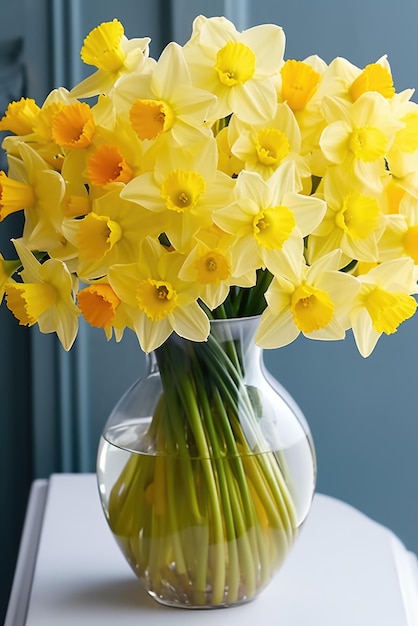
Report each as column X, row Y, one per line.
column 217, row 181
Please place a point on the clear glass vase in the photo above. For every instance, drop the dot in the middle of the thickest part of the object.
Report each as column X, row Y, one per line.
column 206, row 470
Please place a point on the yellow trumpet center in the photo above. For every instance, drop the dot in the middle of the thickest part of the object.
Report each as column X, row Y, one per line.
column 156, row 298
column 312, row 308
column 235, row 64
column 272, row 227
column 299, row 83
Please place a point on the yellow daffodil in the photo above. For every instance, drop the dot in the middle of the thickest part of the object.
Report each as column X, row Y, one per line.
column 107, row 48
column 165, row 103
column 354, row 221
column 209, row 265
column 38, row 190
column 108, row 234
column 383, row 302
column 263, row 147
column 359, row 136
column 184, row 189
column 315, row 301
column 20, row 117
column 269, row 220
column 158, row 301
column 236, row 67
column 44, row 297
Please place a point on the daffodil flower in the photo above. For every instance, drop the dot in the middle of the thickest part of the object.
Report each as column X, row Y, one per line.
column 108, row 234
column 237, row 67
column 107, row 48
column 38, row 122
column 20, row 116
column 209, row 265
column 354, row 221
column 34, row 187
column 315, row 301
column 384, row 302
column 359, row 136
column 157, row 300
column 184, row 189
column 45, row 297
column 101, row 308
column 263, row 147
column 269, row 220
column 165, row 103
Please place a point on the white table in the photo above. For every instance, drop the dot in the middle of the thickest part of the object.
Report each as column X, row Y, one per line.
column 344, row 570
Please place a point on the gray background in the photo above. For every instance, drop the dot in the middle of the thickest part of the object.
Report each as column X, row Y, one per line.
column 363, row 413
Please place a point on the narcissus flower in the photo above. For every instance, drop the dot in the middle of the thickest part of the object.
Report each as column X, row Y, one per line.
column 354, row 221
column 165, row 103
column 209, row 265
column 20, row 116
column 102, row 308
column 316, row 301
column 184, row 189
column 45, row 297
column 108, row 234
column 107, row 48
column 358, row 137
column 384, row 302
column 34, row 187
column 263, row 147
column 158, row 301
column 269, row 220
column 236, row 67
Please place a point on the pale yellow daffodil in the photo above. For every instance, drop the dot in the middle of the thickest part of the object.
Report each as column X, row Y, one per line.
column 45, row 297
column 184, row 190
column 358, row 137
column 354, row 221
column 109, row 234
column 263, row 147
column 315, row 301
column 269, row 220
column 107, row 48
column 236, row 67
column 165, row 103
column 34, row 187
column 209, row 265
column 157, row 300
column 383, row 302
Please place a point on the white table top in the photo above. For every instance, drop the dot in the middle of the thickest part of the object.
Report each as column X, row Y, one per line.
column 345, row 569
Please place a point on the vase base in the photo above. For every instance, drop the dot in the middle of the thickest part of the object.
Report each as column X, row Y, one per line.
column 201, row 603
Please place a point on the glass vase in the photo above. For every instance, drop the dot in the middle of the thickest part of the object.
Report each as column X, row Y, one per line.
column 206, row 470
